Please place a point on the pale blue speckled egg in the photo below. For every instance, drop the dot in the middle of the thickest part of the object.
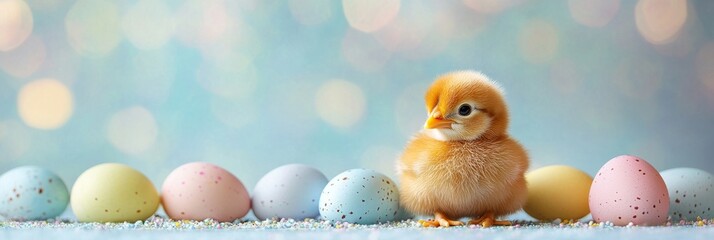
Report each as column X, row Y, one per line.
column 360, row 196
column 289, row 191
column 691, row 193
column 32, row 193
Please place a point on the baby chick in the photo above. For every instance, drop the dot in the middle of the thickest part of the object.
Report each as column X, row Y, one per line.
column 463, row 163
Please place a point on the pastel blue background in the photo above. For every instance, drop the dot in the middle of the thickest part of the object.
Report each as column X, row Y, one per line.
column 238, row 83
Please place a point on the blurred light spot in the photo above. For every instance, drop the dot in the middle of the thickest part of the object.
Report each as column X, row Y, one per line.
column 153, row 73
column 45, row 104
column 593, row 13
column 234, row 114
column 539, row 41
column 639, row 79
column 15, row 23
column 431, row 46
column 660, row 20
column 24, row 60
column 408, row 30
column 240, row 41
column 409, row 111
column 705, row 65
column 381, row 159
column 202, row 22
column 623, row 36
column 93, row 27
column 364, row 52
column 461, row 23
column 370, row 15
column 61, row 62
column 149, row 24
column 435, row 41
column 425, row 29
column 132, row 130
column 340, row 103
column 250, row 5
column 233, row 76
column 683, row 45
column 158, row 154
column 311, row 12
column 45, row 5
column 565, row 77
column 490, row 6
column 14, row 140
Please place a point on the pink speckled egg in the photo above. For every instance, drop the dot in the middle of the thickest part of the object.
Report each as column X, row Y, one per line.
column 199, row 190
column 628, row 189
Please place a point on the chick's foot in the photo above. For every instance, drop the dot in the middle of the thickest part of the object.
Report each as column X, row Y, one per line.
column 488, row 220
column 440, row 220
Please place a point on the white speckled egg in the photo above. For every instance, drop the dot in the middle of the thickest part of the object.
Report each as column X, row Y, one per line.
column 113, row 192
column 200, row 190
column 360, row 196
column 289, row 191
column 691, row 193
column 628, row 189
column 32, row 193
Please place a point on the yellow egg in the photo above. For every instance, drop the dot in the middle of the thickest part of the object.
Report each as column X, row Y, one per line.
column 113, row 192
column 557, row 192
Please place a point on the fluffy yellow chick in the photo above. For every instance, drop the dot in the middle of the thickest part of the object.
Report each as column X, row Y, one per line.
column 463, row 163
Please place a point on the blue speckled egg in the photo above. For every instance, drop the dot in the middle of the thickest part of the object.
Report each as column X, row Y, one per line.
column 32, row 193
column 289, row 191
column 691, row 193
column 360, row 196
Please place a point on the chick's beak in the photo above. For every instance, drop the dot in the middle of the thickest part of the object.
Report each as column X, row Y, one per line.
column 437, row 122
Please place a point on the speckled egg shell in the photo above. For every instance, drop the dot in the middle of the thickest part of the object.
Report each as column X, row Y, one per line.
column 360, row 196
column 113, row 192
column 691, row 193
column 199, row 190
column 628, row 189
column 32, row 193
column 289, row 191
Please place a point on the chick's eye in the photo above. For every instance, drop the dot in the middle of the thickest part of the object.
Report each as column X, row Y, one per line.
column 465, row 110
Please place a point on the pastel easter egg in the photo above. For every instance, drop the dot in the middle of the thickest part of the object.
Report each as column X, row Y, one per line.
column 691, row 193
column 32, row 193
column 289, row 191
column 628, row 189
column 360, row 196
column 557, row 192
column 200, row 190
column 113, row 192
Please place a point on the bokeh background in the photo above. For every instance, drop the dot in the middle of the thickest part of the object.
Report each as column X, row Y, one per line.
column 254, row 84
